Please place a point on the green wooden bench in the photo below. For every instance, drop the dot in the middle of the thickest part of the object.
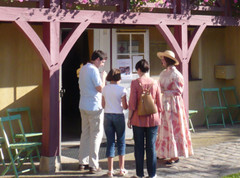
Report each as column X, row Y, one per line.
column 25, row 148
column 30, row 134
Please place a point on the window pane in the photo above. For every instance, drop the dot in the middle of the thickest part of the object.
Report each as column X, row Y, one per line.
column 123, row 42
column 138, row 43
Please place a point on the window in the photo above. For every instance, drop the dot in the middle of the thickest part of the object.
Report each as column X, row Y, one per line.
column 129, row 46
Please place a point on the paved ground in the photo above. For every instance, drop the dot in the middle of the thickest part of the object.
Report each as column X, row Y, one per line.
column 216, row 153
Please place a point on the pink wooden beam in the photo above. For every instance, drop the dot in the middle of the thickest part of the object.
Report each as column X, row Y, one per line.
column 184, row 41
column 54, row 43
column 184, row 45
column 168, row 36
column 103, row 17
column 71, row 39
column 36, row 41
column 50, row 120
column 186, row 84
column 194, row 39
column 50, row 114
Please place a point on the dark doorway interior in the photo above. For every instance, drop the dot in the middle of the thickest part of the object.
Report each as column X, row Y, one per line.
column 71, row 119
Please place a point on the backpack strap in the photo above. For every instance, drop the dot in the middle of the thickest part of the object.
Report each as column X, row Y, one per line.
column 142, row 86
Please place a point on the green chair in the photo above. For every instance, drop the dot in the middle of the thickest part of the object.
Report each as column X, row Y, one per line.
column 212, row 103
column 1, row 151
column 25, row 149
column 31, row 134
column 190, row 113
column 231, row 102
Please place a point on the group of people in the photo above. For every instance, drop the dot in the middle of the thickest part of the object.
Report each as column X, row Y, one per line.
column 165, row 132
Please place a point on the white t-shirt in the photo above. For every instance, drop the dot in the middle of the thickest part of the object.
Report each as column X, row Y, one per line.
column 113, row 94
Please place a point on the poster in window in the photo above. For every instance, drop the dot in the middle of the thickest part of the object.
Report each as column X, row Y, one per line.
column 135, row 46
column 123, row 47
column 125, row 66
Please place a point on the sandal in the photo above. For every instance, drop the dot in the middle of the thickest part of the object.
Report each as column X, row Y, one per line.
column 110, row 173
column 123, row 172
column 171, row 161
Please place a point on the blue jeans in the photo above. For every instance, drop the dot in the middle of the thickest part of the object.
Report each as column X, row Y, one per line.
column 114, row 124
column 150, row 134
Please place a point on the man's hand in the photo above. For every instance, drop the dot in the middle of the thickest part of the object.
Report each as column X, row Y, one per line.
column 103, row 75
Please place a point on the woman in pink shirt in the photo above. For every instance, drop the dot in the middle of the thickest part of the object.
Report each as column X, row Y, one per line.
column 144, row 127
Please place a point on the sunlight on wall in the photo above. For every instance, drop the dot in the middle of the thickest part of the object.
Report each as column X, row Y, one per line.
column 7, row 97
column 23, row 90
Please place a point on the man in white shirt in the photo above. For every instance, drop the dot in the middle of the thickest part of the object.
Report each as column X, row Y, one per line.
column 91, row 84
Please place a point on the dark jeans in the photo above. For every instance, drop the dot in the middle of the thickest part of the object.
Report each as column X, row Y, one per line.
column 140, row 134
column 114, row 124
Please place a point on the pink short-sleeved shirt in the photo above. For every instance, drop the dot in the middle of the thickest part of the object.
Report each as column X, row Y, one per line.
column 136, row 90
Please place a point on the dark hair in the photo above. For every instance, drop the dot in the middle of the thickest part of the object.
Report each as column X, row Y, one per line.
column 114, row 75
column 142, row 65
column 98, row 54
column 169, row 61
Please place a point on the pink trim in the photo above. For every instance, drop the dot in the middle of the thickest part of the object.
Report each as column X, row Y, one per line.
column 194, row 39
column 36, row 41
column 100, row 17
column 71, row 39
column 168, row 36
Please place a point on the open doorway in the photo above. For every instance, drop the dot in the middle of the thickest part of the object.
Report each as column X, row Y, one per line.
column 79, row 54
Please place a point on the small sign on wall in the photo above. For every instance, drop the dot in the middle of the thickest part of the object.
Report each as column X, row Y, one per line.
column 225, row 71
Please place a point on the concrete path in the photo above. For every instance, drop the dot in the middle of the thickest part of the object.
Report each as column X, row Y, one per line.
column 216, row 153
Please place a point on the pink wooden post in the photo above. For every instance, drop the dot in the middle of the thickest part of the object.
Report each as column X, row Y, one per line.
column 184, row 46
column 50, row 118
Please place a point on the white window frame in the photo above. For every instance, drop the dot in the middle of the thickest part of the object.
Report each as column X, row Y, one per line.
column 114, row 47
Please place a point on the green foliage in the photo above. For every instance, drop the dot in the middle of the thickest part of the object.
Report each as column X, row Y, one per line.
column 237, row 175
column 135, row 5
column 204, row 2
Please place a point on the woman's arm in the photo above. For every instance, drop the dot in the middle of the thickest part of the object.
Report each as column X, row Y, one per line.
column 130, row 113
column 159, row 99
column 124, row 102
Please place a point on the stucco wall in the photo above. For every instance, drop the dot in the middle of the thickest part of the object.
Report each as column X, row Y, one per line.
column 232, row 50
column 214, row 46
column 21, row 74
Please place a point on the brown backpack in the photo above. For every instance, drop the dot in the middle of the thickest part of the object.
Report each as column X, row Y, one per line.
column 146, row 105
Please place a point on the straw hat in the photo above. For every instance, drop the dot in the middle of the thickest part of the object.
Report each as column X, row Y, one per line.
column 168, row 54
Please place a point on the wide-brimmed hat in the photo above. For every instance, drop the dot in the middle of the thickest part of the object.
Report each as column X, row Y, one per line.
column 168, row 54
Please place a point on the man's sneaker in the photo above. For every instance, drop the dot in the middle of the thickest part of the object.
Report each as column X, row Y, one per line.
column 83, row 167
column 94, row 170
